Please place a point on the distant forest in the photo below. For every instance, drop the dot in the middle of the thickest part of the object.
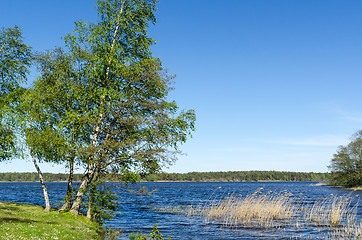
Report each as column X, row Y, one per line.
column 234, row 176
column 239, row 176
column 33, row 177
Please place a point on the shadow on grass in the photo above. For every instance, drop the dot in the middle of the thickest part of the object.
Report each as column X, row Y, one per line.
column 16, row 220
column 10, row 208
column 18, row 213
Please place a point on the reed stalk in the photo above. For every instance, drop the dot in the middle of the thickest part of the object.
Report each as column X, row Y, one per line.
column 279, row 210
column 254, row 210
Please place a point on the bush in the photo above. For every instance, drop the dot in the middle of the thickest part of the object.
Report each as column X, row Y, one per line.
column 154, row 235
column 346, row 164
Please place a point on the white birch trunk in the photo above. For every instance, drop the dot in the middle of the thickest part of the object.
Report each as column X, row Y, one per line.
column 40, row 174
column 68, row 197
column 91, row 167
column 83, row 187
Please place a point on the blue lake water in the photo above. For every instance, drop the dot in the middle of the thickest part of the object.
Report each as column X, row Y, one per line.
column 138, row 213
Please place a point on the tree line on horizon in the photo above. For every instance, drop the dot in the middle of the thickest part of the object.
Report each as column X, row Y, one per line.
column 230, row 176
column 239, row 176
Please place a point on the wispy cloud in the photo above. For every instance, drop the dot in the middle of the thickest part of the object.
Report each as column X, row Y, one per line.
column 348, row 116
column 357, row 119
column 319, row 141
column 236, row 150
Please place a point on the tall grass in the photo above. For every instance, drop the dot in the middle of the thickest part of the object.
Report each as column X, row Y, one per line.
column 331, row 211
column 279, row 210
column 253, row 210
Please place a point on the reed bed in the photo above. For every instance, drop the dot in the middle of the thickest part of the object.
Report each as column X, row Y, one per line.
column 352, row 230
column 282, row 210
column 334, row 216
column 253, row 210
column 337, row 214
column 331, row 211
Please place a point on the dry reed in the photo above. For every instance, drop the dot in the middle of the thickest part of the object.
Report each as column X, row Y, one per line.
column 331, row 211
column 254, row 210
column 270, row 210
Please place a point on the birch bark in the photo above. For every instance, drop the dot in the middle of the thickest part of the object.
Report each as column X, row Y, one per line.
column 68, row 197
column 91, row 167
column 41, row 179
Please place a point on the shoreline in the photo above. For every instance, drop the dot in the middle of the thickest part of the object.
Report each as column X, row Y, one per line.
column 357, row 188
column 183, row 181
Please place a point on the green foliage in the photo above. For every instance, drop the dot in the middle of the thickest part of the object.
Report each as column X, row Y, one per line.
column 103, row 202
column 7, row 143
column 346, row 164
column 109, row 233
column 52, row 111
column 15, row 60
column 103, row 100
column 154, row 235
column 100, row 103
column 122, row 91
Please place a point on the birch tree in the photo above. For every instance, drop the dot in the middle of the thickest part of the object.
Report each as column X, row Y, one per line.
column 103, row 101
column 54, row 108
column 15, row 60
column 133, row 125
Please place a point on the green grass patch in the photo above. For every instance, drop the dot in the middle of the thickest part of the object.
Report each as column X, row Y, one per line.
column 26, row 221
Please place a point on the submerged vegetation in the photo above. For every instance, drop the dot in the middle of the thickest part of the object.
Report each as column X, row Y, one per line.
column 154, row 235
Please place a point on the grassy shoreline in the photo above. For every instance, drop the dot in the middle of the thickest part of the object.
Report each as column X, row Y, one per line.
column 27, row 221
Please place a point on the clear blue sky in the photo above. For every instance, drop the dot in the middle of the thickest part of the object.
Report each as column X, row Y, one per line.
column 276, row 85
